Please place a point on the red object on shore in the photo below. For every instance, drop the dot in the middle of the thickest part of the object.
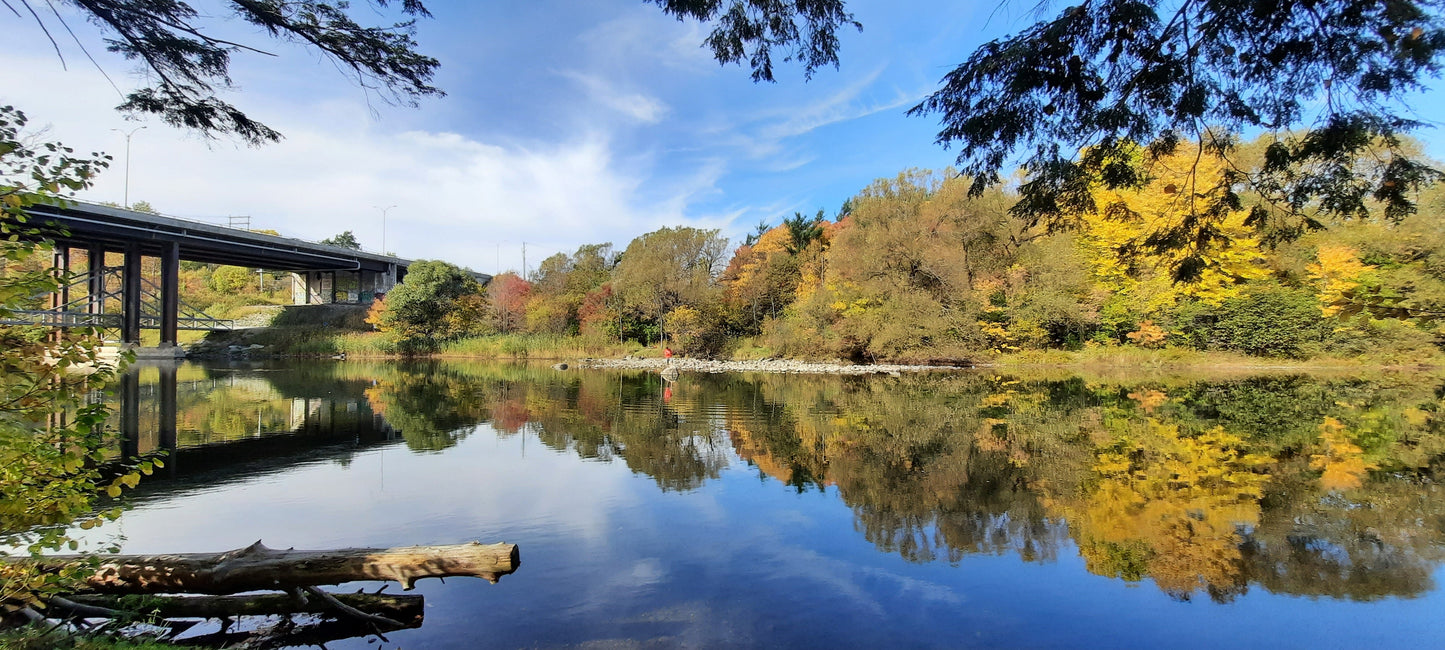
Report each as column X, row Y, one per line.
column 667, row 353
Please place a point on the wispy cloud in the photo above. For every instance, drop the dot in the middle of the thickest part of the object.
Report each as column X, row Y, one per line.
column 638, row 106
column 764, row 135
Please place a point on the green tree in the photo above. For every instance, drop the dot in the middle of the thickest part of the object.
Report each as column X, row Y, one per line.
column 669, row 268
column 143, row 206
column 230, row 279
column 435, row 302
column 561, row 285
column 920, row 269
column 802, row 231
column 343, row 240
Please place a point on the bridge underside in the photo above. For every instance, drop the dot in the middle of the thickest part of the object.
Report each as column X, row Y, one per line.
column 123, row 297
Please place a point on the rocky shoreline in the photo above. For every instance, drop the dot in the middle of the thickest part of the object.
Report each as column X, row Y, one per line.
column 761, row 365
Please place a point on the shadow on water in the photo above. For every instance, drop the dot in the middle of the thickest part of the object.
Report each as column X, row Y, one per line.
column 1315, row 486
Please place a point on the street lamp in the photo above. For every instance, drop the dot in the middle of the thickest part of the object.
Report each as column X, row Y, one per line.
column 127, row 135
column 383, row 225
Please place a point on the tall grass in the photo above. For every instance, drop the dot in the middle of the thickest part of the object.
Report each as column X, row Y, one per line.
column 536, row 346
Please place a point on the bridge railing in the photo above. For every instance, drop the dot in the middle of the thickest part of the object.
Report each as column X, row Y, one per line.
column 60, row 318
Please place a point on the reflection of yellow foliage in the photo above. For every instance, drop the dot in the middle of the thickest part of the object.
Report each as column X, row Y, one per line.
column 1338, row 271
column 1167, row 505
column 1416, row 417
column 1149, row 399
column 996, row 399
column 1148, row 335
column 1343, row 463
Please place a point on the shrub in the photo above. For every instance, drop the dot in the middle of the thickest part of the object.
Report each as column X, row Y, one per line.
column 1386, row 340
column 1268, row 321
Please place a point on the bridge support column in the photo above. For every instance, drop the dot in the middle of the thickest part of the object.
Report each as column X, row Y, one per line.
column 62, row 266
column 130, row 295
column 170, row 292
column 95, row 285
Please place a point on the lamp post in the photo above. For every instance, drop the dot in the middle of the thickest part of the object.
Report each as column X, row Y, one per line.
column 383, row 225
column 127, row 135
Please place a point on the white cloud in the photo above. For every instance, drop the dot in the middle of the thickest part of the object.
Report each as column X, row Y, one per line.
column 638, row 106
column 459, row 198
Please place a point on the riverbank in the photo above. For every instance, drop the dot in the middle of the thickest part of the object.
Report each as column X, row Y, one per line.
column 786, row 366
column 1130, row 357
column 310, row 341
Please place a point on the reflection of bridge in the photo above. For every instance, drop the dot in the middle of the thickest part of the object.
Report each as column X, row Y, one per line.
column 148, row 417
column 122, row 297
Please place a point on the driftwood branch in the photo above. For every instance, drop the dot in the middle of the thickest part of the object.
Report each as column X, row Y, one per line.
column 353, row 612
column 84, row 610
column 257, row 568
column 403, row 610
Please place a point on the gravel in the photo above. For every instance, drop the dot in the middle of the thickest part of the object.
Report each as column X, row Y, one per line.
column 761, row 365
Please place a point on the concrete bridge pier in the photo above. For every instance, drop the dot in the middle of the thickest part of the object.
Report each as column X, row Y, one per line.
column 170, row 293
column 130, row 292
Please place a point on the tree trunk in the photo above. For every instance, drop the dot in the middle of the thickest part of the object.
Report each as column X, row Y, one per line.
column 405, row 609
column 257, row 568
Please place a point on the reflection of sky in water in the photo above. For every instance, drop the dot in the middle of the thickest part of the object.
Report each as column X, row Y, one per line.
column 607, row 556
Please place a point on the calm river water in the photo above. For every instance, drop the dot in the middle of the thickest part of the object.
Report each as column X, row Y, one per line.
column 948, row 510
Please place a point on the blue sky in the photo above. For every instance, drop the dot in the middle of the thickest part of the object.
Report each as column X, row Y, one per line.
column 566, row 122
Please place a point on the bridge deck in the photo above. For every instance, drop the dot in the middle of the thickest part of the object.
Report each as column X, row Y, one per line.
column 82, row 224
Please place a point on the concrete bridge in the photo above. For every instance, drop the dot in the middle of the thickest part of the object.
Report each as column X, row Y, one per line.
column 323, row 274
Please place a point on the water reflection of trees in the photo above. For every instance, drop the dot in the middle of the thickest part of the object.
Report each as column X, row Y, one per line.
column 1152, row 486
column 1300, row 485
column 1296, row 484
column 1201, row 487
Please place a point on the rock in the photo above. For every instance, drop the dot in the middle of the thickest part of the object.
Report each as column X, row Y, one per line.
column 560, row 366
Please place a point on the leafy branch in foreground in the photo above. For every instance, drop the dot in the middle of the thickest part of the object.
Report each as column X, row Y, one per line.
column 188, row 65
column 1328, row 79
column 52, row 439
column 751, row 29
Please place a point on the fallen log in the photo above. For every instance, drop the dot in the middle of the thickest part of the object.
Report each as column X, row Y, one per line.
column 406, row 609
column 257, row 568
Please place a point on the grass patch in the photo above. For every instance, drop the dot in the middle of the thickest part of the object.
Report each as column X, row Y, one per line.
column 750, row 349
column 32, row 637
column 1127, row 356
column 536, row 346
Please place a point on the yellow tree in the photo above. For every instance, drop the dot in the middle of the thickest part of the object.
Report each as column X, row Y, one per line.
column 1122, row 238
column 1337, row 272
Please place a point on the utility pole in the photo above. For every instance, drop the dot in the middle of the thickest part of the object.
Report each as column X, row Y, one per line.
column 524, row 260
column 126, row 202
column 383, row 225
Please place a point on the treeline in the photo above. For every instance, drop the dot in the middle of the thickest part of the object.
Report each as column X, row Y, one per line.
column 915, row 268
